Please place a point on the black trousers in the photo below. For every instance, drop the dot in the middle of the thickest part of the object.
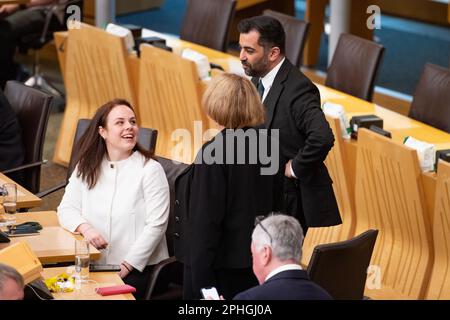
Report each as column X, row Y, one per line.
column 293, row 202
column 139, row 280
column 12, row 29
column 229, row 282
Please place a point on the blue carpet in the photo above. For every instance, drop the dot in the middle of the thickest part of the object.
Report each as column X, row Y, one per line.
column 408, row 44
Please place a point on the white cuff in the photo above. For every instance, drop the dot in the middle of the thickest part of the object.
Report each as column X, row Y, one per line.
column 292, row 171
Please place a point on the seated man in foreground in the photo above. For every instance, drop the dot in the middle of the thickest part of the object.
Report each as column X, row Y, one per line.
column 276, row 249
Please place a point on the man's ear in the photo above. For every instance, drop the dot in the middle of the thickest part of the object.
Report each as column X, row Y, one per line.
column 274, row 53
column 266, row 255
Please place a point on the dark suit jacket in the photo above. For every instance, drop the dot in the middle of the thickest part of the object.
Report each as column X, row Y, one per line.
column 215, row 211
column 293, row 107
column 286, row 285
column 12, row 152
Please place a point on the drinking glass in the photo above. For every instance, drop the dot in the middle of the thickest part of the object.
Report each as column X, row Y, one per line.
column 10, row 203
column 81, row 260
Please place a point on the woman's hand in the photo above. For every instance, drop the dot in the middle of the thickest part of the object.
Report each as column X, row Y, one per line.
column 125, row 269
column 93, row 236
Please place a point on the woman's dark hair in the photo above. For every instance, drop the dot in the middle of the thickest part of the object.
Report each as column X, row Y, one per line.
column 270, row 29
column 91, row 148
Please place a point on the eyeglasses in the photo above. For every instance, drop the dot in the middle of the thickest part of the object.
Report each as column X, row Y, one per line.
column 258, row 222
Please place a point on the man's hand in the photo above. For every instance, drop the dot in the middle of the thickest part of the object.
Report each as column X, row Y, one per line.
column 8, row 9
column 287, row 170
column 93, row 236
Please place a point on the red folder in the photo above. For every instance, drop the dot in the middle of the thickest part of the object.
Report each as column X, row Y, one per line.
column 119, row 289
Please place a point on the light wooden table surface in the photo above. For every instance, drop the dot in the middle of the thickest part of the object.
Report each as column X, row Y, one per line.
column 53, row 244
column 87, row 291
column 25, row 199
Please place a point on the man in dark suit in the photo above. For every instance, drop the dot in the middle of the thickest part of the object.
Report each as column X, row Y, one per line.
column 276, row 250
column 292, row 104
column 11, row 147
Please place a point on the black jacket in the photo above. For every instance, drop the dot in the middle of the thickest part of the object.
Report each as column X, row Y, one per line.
column 286, row 285
column 293, row 107
column 215, row 211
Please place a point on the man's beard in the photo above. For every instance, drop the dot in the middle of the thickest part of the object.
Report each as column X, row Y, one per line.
column 259, row 69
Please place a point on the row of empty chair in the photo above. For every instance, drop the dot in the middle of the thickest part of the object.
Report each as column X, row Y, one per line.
column 411, row 252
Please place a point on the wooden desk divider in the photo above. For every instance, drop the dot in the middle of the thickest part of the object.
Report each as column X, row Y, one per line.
column 389, row 197
column 336, row 165
column 23, row 259
column 169, row 100
column 439, row 286
column 97, row 70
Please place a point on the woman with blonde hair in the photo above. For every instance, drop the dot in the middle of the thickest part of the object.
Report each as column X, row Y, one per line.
column 221, row 193
column 118, row 195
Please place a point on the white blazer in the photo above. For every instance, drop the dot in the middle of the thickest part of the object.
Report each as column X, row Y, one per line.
column 129, row 206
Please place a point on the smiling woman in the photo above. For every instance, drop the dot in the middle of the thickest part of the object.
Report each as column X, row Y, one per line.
column 118, row 195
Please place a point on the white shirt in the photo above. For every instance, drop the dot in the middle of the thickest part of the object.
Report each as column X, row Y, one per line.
column 268, row 79
column 129, row 206
column 291, row 266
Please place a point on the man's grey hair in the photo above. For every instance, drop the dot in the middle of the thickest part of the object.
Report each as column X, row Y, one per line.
column 7, row 272
column 284, row 235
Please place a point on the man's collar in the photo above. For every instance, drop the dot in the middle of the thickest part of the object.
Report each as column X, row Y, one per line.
column 268, row 79
column 291, row 266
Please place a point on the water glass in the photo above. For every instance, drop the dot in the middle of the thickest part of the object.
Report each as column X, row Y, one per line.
column 10, row 198
column 10, row 204
column 81, row 260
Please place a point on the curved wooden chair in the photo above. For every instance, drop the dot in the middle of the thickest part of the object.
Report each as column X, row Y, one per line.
column 389, row 197
column 96, row 72
column 169, row 100
column 439, row 286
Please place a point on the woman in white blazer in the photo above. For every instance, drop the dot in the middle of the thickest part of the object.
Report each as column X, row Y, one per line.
column 118, row 195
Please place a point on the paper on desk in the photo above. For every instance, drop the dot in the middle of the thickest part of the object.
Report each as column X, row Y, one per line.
column 200, row 60
column 425, row 151
column 235, row 66
column 337, row 111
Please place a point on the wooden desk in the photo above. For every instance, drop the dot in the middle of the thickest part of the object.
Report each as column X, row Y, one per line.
column 25, row 199
column 87, row 292
column 54, row 244
column 45, row 218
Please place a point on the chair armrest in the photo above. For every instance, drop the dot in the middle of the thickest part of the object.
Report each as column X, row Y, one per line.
column 45, row 193
column 162, row 264
column 25, row 166
column 155, row 274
